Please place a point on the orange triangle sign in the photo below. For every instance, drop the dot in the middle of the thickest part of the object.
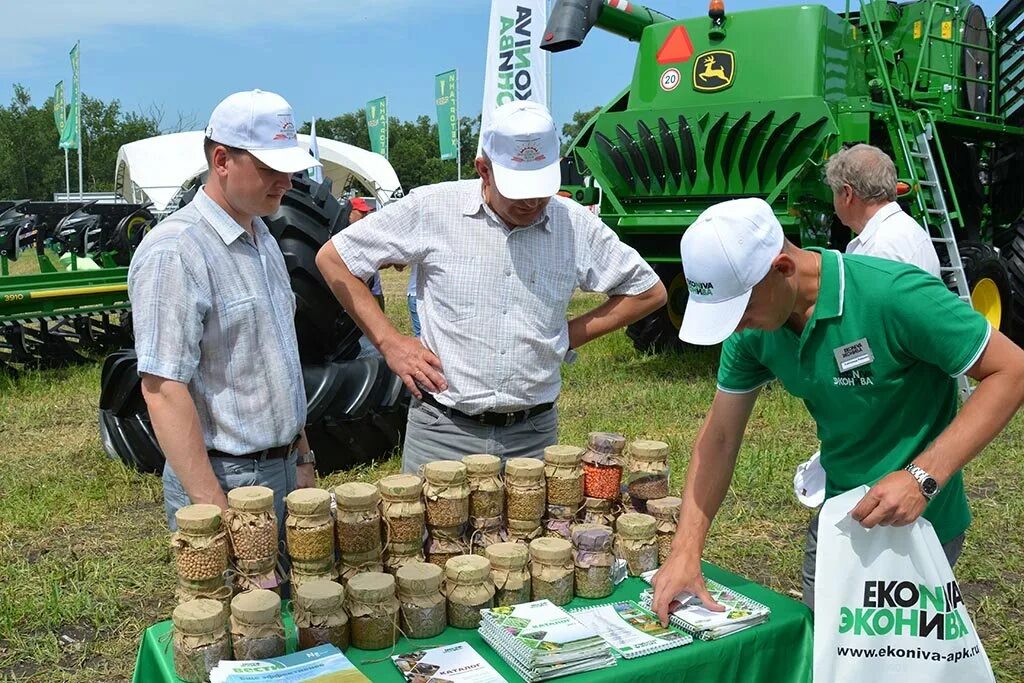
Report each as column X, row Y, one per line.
column 676, row 48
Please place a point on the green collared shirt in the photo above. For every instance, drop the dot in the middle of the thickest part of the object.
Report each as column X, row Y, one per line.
column 901, row 338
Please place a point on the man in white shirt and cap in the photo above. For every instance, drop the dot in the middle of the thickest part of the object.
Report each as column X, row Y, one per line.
column 498, row 259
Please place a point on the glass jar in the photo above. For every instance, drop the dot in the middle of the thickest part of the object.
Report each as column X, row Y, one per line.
column 402, row 508
column 482, row 532
column 302, row 573
column 559, row 520
column 373, row 608
column 253, row 532
column 486, row 486
column 444, row 543
column 594, row 559
column 636, row 542
column 446, row 492
column 598, row 511
column 257, row 631
column 666, row 512
column 563, row 471
column 397, row 555
column 525, row 490
column 319, row 613
column 357, row 563
column 551, row 570
column 469, row 589
column 358, row 525
column 423, row 607
column 510, row 573
column 211, row 589
column 309, row 529
column 602, row 465
column 524, row 530
column 200, row 638
column 200, row 545
column 648, row 472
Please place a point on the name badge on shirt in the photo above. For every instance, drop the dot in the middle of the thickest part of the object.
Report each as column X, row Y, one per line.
column 854, row 355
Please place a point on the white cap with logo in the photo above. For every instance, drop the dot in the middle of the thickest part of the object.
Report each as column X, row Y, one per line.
column 263, row 124
column 522, row 144
column 727, row 250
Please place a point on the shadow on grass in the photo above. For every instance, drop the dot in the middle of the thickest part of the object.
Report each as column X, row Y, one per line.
column 690, row 363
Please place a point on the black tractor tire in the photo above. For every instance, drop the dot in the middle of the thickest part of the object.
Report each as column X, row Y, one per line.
column 1013, row 258
column 658, row 332
column 988, row 280
column 125, row 429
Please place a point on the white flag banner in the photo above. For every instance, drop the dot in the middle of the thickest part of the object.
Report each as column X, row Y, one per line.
column 516, row 66
column 887, row 608
column 316, row 173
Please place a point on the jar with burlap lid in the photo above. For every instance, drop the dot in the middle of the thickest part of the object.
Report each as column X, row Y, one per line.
column 318, row 609
column 444, row 543
column 446, row 492
column 636, row 542
column 200, row 544
column 563, row 470
column 252, row 529
column 469, row 589
column 552, row 570
column 524, row 530
column 525, row 489
column 510, row 572
column 373, row 608
column 200, row 638
column 211, row 589
column 356, row 563
column 309, row 528
column 594, row 559
column 666, row 512
column 602, row 465
column 599, row 511
column 358, row 518
column 402, row 509
column 558, row 521
column 257, row 631
column 302, row 574
column 648, row 472
column 484, row 531
column 486, row 486
column 422, row 605
column 397, row 555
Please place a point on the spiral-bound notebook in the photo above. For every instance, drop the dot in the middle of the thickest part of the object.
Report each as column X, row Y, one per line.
column 690, row 614
column 631, row 630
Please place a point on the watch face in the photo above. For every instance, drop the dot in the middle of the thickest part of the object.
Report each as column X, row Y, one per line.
column 929, row 486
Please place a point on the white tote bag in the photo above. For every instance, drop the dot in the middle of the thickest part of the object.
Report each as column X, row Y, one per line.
column 887, row 608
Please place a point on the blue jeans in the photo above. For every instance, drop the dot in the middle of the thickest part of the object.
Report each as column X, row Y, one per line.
column 413, row 315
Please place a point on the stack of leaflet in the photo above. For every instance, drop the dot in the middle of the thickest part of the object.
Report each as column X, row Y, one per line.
column 688, row 613
column 324, row 664
column 540, row 640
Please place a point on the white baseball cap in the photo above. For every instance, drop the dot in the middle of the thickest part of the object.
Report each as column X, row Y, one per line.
column 263, row 124
column 522, row 144
column 727, row 250
column 809, row 482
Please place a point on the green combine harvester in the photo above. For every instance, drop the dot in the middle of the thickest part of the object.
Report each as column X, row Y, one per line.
column 752, row 103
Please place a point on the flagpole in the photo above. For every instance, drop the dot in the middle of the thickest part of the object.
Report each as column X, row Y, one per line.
column 458, row 130
column 547, row 58
column 67, row 177
column 81, row 137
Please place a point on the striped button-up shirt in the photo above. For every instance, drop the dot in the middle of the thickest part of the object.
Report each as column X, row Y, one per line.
column 493, row 300
column 213, row 308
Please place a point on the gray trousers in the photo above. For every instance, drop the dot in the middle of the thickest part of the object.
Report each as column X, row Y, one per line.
column 952, row 549
column 431, row 435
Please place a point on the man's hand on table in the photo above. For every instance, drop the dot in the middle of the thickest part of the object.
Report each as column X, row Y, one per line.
column 680, row 574
column 895, row 500
column 416, row 365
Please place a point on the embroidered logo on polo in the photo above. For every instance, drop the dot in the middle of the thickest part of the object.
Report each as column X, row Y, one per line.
column 700, row 288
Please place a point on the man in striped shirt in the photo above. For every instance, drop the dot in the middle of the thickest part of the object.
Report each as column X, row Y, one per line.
column 498, row 260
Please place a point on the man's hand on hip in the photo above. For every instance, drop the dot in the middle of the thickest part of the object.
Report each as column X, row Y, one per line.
column 895, row 500
column 680, row 574
column 414, row 363
column 305, row 477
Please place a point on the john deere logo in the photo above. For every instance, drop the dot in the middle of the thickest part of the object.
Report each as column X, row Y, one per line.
column 713, row 70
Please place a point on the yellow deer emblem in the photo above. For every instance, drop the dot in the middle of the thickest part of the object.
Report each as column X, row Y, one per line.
column 713, row 70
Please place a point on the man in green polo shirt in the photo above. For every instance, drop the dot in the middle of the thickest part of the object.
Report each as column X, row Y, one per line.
column 873, row 348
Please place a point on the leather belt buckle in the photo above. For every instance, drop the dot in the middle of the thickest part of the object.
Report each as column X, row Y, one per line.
column 511, row 419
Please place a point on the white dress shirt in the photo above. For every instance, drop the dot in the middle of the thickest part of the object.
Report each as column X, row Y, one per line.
column 892, row 234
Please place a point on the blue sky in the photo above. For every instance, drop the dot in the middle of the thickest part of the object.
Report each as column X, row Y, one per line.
column 325, row 56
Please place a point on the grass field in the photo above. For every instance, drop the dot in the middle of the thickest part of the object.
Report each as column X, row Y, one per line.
column 85, row 564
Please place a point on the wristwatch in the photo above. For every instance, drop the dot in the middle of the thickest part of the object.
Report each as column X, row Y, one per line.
column 307, row 458
column 929, row 487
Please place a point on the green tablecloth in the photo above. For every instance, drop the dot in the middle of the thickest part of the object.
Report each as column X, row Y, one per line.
column 778, row 651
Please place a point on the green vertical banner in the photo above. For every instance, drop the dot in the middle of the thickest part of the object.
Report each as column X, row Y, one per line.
column 70, row 138
column 446, row 98
column 60, row 114
column 377, row 123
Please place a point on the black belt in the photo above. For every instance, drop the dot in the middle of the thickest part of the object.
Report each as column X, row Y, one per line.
column 490, row 419
column 266, row 454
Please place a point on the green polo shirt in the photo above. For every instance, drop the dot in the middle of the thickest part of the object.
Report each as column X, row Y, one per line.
column 908, row 338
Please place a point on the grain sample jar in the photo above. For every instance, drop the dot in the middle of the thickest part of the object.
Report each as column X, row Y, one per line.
column 301, row 575
column 525, row 491
column 486, row 487
column 402, row 509
column 319, row 613
column 200, row 545
column 510, row 571
column 358, row 525
column 357, row 563
column 444, row 543
column 484, row 531
column 602, row 465
column 636, row 542
column 648, row 472
column 422, row 605
column 594, row 559
column 559, row 520
column 200, row 638
column 666, row 512
column 397, row 555
column 598, row 511
column 446, row 492
column 551, row 570
column 252, row 529
column 373, row 608
column 211, row 589
column 309, row 529
column 256, row 628
column 563, row 470
column 524, row 530
column 469, row 589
